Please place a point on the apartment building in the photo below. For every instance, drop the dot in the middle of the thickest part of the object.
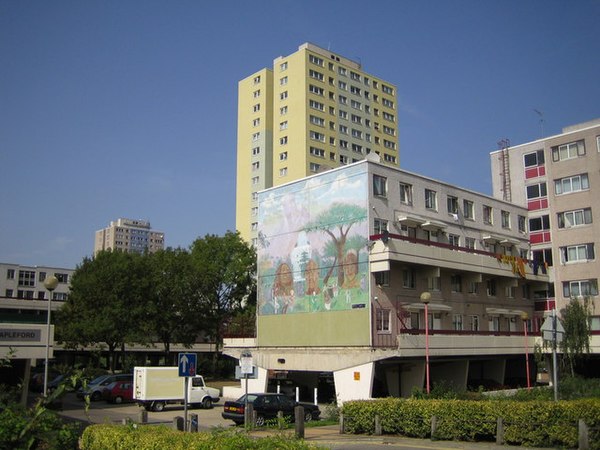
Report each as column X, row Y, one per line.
column 557, row 179
column 314, row 110
column 24, row 311
column 345, row 258
column 129, row 235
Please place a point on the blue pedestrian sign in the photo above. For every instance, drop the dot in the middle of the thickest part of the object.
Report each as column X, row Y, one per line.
column 187, row 364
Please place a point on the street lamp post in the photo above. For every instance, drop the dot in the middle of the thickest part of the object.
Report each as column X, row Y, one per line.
column 50, row 283
column 524, row 317
column 425, row 298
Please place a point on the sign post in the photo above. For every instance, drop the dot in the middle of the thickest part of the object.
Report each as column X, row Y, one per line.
column 186, row 363
column 552, row 330
column 246, row 369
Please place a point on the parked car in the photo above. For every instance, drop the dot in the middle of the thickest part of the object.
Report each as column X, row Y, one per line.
column 118, row 392
column 95, row 387
column 266, row 407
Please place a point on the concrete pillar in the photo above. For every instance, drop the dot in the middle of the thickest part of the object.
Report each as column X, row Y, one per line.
column 412, row 375
column 354, row 383
column 392, row 378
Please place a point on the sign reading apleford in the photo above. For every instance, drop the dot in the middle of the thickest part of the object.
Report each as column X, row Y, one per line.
column 16, row 334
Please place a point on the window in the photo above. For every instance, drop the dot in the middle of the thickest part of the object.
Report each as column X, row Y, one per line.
column 256, row 93
column 505, row 216
column 468, row 209
column 389, row 130
column 283, row 66
column 536, row 191
column 510, row 291
column 316, row 90
column 454, row 240
column 472, row 287
column 474, row 322
column 283, row 95
column 254, row 226
column 283, row 110
column 256, row 136
column 343, row 129
column 283, row 156
column 316, row 105
column 406, row 193
column 573, row 253
column 354, row 90
column 534, row 159
column 491, row 288
column 41, row 276
column 355, row 76
column 386, row 89
column 343, row 144
column 343, row 85
column 379, row 185
column 580, row 288
column 571, row 184
column 542, row 256
column 457, row 322
column 315, row 60
column 26, row 278
column 255, row 180
column 356, row 119
column 470, row 243
column 316, row 136
column 318, row 152
column 254, row 196
column 283, row 125
column 283, row 171
column 357, row 133
column 575, row 218
column 388, row 116
column 283, row 81
column 256, row 122
column 379, row 226
column 389, row 144
column 357, row 148
column 455, row 283
column 388, row 103
column 10, row 274
column 254, row 212
column 522, row 224
column 487, row 215
column 568, row 151
column 452, row 204
column 539, row 223
column 343, row 100
column 342, row 71
column 434, row 283
column 317, row 121
column 8, row 293
column 313, row 167
column 316, row 75
column 356, row 105
column 388, row 158
column 494, row 323
column 409, row 277
column 256, row 107
column 430, row 199
column 382, row 278
column 343, row 114
column 62, row 277
column 383, row 320
column 255, row 165
column 257, row 79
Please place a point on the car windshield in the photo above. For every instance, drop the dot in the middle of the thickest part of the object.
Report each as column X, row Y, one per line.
column 251, row 398
column 99, row 379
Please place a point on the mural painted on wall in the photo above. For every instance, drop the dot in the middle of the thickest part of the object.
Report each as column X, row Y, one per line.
column 312, row 245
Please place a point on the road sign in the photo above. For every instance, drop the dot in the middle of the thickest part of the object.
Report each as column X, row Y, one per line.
column 246, row 363
column 187, row 364
column 240, row 376
column 548, row 332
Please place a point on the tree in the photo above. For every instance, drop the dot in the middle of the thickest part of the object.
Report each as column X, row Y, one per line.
column 170, row 313
column 106, row 303
column 336, row 222
column 225, row 268
column 576, row 339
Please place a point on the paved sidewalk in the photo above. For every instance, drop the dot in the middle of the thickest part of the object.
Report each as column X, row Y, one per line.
column 330, row 437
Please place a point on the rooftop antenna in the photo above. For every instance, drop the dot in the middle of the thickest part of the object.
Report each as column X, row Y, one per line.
column 541, row 114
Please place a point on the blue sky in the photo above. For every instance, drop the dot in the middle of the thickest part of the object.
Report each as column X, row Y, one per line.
column 128, row 108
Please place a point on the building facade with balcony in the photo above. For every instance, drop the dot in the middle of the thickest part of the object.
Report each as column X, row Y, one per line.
column 343, row 259
column 557, row 179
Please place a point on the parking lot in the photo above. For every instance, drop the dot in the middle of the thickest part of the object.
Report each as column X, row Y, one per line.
column 103, row 412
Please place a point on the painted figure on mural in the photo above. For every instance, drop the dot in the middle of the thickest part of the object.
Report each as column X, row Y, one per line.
column 311, row 275
column 351, row 270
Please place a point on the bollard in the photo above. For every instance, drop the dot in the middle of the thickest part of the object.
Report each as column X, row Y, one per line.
column 434, row 425
column 342, row 429
column 499, row 431
column 178, row 423
column 249, row 417
column 377, row 425
column 143, row 416
column 299, row 415
column 280, row 420
column 193, row 423
column 584, row 437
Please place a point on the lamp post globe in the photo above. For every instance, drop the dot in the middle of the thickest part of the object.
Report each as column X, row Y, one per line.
column 425, row 299
column 50, row 284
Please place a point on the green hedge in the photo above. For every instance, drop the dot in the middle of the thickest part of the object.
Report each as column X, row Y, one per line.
column 160, row 437
column 532, row 424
